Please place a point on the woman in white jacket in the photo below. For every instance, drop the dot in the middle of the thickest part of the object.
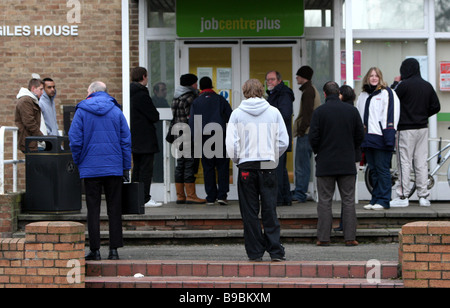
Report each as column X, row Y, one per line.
column 379, row 108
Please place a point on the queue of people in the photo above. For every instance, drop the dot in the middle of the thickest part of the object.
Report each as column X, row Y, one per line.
column 256, row 136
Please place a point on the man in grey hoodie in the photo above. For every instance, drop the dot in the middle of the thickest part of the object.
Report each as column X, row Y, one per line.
column 28, row 113
column 47, row 104
column 256, row 137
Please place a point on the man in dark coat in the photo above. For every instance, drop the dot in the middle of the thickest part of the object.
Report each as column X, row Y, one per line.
column 143, row 115
column 336, row 131
column 282, row 97
column 212, row 109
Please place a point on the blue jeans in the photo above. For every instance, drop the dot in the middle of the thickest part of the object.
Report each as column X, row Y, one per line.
column 303, row 154
column 380, row 162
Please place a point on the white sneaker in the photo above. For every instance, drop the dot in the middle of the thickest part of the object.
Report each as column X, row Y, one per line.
column 368, row 206
column 152, row 203
column 377, row 207
column 424, row 202
column 399, row 202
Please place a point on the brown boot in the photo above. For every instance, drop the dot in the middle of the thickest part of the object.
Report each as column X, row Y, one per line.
column 191, row 195
column 181, row 196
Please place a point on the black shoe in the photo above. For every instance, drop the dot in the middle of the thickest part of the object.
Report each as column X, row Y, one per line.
column 93, row 255
column 258, row 259
column 278, row 259
column 113, row 255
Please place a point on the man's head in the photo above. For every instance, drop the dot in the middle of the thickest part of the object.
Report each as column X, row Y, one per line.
column 273, row 78
column 304, row 74
column 160, row 89
column 97, row 86
column 253, row 88
column 189, row 80
column 49, row 87
column 139, row 74
column 205, row 83
column 36, row 86
column 331, row 88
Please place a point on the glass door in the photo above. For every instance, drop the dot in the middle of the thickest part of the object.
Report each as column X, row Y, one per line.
column 281, row 56
column 220, row 61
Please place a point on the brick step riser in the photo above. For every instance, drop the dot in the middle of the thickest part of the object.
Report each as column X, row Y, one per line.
column 145, row 224
column 388, row 270
column 201, row 282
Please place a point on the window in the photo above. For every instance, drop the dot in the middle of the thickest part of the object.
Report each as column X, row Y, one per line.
column 442, row 11
column 161, row 13
column 388, row 14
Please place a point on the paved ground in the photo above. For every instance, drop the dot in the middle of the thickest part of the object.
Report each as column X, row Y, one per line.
column 236, row 252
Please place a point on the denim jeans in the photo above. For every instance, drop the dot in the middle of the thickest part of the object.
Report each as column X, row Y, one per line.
column 284, row 187
column 380, row 162
column 303, row 154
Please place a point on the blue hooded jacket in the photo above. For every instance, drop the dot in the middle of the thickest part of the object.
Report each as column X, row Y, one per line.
column 100, row 139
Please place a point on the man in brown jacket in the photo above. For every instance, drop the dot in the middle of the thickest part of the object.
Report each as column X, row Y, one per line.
column 310, row 100
column 28, row 113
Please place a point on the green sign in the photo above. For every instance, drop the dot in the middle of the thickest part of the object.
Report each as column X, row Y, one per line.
column 239, row 18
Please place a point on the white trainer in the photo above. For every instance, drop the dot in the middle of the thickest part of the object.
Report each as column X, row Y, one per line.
column 152, row 203
column 368, row 206
column 424, row 202
column 377, row 207
column 399, row 202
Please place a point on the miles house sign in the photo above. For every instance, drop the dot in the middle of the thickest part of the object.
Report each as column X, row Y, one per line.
column 237, row 18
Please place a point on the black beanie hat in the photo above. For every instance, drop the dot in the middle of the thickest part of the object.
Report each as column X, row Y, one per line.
column 305, row 72
column 205, row 83
column 188, row 80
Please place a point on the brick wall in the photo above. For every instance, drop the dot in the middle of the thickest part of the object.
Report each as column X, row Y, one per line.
column 72, row 61
column 424, row 254
column 50, row 256
column 9, row 210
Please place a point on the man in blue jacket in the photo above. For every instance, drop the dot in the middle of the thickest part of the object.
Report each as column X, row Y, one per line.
column 100, row 141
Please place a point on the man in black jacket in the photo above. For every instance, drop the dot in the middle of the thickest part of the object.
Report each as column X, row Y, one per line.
column 143, row 116
column 282, row 97
column 418, row 102
column 336, row 131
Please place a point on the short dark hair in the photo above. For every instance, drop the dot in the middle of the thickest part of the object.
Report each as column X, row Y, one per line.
column 47, row 79
column 348, row 94
column 331, row 88
column 138, row 74
column 34, row 83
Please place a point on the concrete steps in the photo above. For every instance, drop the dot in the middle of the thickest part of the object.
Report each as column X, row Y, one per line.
column 241, row 274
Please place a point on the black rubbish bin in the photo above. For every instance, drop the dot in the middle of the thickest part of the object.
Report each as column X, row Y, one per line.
column 53, row 184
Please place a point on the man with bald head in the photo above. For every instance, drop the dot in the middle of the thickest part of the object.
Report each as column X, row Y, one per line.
column 100, row 141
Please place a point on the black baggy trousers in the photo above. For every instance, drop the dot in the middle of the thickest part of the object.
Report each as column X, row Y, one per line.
column 257, row 190
column 113, row 193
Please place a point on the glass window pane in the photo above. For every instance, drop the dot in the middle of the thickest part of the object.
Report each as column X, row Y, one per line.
column 387, row 14
column 317, row 18
column 162, row 69
column 442, row 11
column 161, row 14
column 320, row 58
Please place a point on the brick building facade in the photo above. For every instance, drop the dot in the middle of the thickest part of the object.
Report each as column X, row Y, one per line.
column 72, row 42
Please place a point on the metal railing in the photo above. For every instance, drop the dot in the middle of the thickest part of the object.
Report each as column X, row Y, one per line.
column 13, row 161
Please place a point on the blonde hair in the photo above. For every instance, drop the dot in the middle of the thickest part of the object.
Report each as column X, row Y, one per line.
column 253, row 88
column 381, row 83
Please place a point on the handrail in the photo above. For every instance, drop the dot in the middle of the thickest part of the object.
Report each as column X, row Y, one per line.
column 4, row 162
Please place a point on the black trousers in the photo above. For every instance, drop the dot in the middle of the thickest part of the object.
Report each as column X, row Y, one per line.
column 113, row 192
column 220, row 167
column 143, row 172
column 253, row 186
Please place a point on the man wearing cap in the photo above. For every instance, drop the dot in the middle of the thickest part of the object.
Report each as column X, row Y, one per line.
column 186, row 167
column 213, row 109
column 309, row 101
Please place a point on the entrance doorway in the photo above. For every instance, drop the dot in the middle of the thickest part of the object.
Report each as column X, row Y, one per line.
column 230, row 63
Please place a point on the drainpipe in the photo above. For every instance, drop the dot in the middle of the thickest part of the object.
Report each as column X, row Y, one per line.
column 126, row 60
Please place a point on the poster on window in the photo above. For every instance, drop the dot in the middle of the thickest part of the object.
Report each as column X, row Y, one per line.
column 445, row 76
column 357, row 58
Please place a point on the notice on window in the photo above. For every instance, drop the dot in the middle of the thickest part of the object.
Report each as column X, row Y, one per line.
column 204, row 72
column 223, row 78
column 445, row 76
